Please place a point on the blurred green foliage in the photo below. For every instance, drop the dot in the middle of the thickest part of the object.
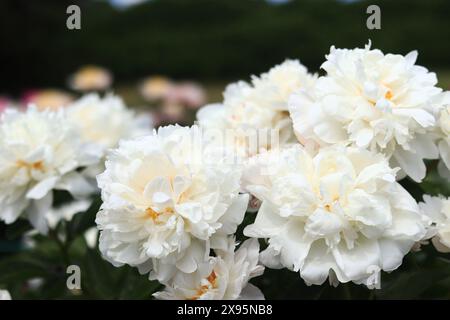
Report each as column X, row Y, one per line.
column 204, row 39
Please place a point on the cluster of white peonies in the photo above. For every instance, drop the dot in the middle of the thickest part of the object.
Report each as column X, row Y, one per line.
column 384, row 103
column 168, row 198
column 42, row 150
column 329, row 203
column 254, row 117
column 321, row 160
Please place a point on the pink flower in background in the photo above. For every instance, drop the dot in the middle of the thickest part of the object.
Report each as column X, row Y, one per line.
column 188, row 94
column 91, row 78
column 5, row 103
column 47, row 98
column 172, row 98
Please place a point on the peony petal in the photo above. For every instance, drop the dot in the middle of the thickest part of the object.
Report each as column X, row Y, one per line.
column 411, row 163
column 41, row 189
column 355, row 262
column 392, row 252
column 267, row 223
column 37, row 213
column 251, row 292
column 77, row 185
column 234, row 214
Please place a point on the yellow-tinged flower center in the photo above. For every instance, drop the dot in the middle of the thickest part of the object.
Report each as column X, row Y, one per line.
column 388, row 95
column 212, row 283
column 38, row 165
column 154, row 215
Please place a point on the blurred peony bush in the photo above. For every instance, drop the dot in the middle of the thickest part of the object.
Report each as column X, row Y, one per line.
column 292, row 180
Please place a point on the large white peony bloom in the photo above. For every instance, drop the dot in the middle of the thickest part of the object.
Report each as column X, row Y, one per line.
column 384, row 103
column 340, row 213
column 163, row 196
column 104, row 121
column 437, row 209
column 254, row 117
column 223, row 277
column 39, row 151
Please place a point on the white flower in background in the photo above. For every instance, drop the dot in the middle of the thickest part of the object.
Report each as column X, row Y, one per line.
column 437, row 209
column 281, row 81
column 156, row 88
column 258, row 109
column 384, row 103
column 47, row 99
column 4, row 295
column 223, row 277
column 39, row 152
column 339, row 214
column 163, row 192
column 91, row 78
column 104, row 121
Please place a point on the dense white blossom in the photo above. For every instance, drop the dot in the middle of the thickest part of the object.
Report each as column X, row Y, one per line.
column 40, row 151
column 383, row 102
column 104, row 121
column 164, row 195
column 339, row 213
column 222, row 277
column 254, row 117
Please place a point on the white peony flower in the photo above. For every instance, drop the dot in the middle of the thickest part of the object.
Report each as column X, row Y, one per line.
column 281, row 81
column 384, row 103
column 444, row 137
column 254, row 117
column 104, row 121
column 437, row 209
column 340, row 213
column 91, row 77
column 39, row 151
column 223, row 277
column 162, row 196
column 4, row 295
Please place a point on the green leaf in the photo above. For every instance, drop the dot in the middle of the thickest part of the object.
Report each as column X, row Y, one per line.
column 24, row 266
column 101, row 280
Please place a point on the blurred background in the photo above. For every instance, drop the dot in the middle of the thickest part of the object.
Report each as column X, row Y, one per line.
column 143, row 47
